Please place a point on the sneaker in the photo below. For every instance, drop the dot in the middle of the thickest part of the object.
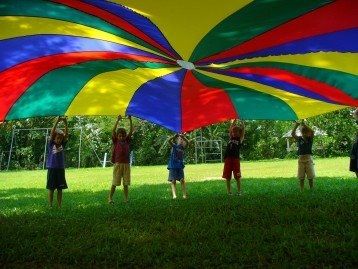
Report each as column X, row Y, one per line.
column 110, row 202
column 229, row 193
column 239, row 193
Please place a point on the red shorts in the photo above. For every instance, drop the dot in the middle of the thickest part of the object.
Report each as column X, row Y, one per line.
column 231, row 165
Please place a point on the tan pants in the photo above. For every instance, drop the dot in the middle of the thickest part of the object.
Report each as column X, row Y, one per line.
column 305, row 167
column 121, row 170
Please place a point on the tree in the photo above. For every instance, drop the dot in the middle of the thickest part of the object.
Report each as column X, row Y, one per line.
column 263, row 139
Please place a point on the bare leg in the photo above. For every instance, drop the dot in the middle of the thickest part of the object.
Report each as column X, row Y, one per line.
column 228, row 186
column 301, row 174
column 356, row 174
column 238, row 183
column 174, row 189
column 183, row 188
column 310, row 182
column 59, row 198
column 111, row 192
column 125, row 190
column 50, row 197
column 302, row 184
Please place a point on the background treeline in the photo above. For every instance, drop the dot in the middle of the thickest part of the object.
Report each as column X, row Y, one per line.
column 263, row 140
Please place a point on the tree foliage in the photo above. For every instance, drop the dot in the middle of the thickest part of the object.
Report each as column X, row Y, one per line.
column 90, row 139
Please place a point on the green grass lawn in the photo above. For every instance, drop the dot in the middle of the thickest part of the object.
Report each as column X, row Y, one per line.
column 271, row 224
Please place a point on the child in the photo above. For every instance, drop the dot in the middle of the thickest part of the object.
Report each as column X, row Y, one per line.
column 232, row 156
column 353, row 166
column 56, row 162
column 176, row 163
column 305, row 161
column 120, row 158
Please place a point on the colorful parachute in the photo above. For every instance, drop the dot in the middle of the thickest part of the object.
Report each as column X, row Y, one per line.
column 180, row 64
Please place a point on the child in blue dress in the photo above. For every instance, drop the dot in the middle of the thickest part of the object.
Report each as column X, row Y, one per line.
column 176, row 163
column 56, row 162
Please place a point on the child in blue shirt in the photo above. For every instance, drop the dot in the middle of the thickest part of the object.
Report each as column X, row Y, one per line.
column 176, row 163
column 56, row 162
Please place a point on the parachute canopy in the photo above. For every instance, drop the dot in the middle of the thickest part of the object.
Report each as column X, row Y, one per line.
column 180, row 64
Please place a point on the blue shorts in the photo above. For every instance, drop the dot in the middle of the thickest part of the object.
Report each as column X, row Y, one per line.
column 176, row 174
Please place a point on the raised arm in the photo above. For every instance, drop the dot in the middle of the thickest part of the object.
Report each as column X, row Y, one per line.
column 116, row 125
column 242, row 134
column 171, row 139
column 232, row 125
column 293, row 133
column 65, row 136
column 53, row 130
column 130, row 126
column 183, row 136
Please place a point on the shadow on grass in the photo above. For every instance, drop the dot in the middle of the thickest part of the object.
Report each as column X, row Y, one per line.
column 272, row 223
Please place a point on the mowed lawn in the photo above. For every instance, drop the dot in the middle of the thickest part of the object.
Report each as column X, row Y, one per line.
column 271, row 224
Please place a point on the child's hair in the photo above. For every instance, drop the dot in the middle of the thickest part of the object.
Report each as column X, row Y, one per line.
column 121, row 131
column 180, row 139
column 306, row 130
column 236, row 128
